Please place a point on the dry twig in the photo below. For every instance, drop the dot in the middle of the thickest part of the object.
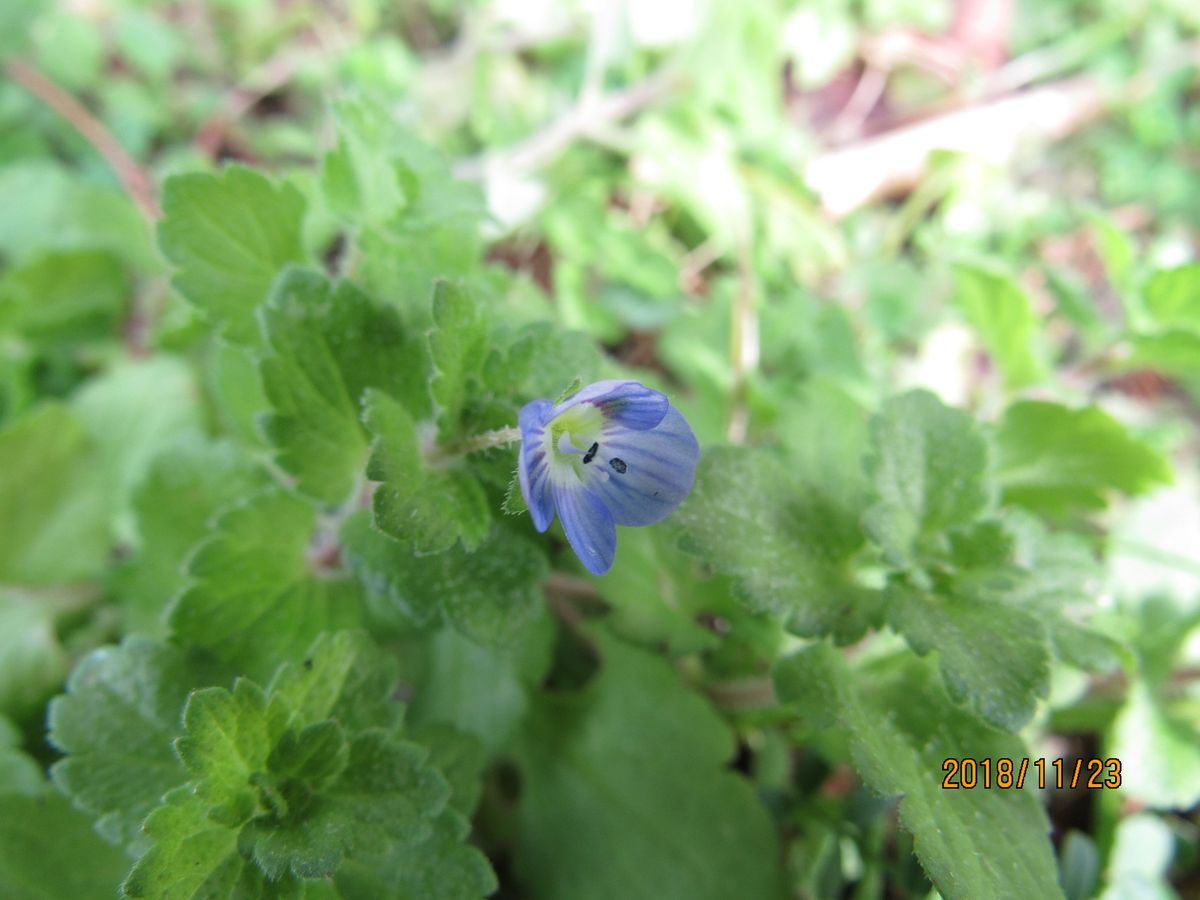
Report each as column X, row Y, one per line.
column 135, row 179
column 890, row 164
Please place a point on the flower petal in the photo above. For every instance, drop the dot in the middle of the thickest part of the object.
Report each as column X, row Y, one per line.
column 627, row 403
column 659, row 470
column 588, row 524
column 533, row 469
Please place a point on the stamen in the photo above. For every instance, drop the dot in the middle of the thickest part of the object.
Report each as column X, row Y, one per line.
column 618, row 464
column 591, row 454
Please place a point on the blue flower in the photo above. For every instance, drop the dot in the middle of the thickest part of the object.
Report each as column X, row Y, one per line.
column 614, row 453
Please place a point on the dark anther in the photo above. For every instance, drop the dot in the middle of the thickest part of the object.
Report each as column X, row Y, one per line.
column 618, row 464
column 591, row 454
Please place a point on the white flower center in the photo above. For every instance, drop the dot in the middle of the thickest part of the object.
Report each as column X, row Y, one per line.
column 575, row 448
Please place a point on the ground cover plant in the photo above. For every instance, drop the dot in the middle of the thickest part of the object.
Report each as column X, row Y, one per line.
column 310, row 312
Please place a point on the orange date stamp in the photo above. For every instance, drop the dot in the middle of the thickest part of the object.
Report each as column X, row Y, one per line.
column 1004, row 773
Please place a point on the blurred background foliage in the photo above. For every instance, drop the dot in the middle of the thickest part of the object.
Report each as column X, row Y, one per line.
column 783, row 211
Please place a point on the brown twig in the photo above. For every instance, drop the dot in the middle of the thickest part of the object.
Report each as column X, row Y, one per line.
column 743, row 694
column 135, row 179
column 891, row 163
column 561, row 584
column 1115, row 685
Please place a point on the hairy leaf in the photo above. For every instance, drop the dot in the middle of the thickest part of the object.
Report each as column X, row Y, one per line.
column 258, row 599
column 973, row 843
column 229, row 233
column 926, row 464
column 1056, row 460
column 458, row 346
column 184, row 489
column 327, row 344
column 657, row 816
column 749, row 518
column 1000, row 311
column 48, row 851
column 430, row 509
column 50, row 498
column 116, row 723
column 490, row 595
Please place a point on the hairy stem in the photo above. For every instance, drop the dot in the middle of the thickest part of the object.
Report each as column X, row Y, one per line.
column 486, row 441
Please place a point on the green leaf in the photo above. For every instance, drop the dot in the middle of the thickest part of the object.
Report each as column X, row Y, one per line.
column 494, row 593
column 569, row 391
column 491, row 594
column 1173, row 297
column 427, row 508
column 150, row 44
column 976, row 844
column 458, row 346
column 626, row 793
column 974, row 606
column 70, row 49
column 1156, row 734
column 116, row 723
column 50, row 499
column 19, row 774
column 994, row 656
column 229, row 233
column 228, row 736
column 443, row 866
column 386, row 795
column 827, row 460
column 1056, row 460
column 1158, row 749
column 182, row 491
column 1079, row 866
column 460, row 758
column 538, row 362
column 417, row 221
column 926, row 465
column 359, row 178
column 483, row 690
column 233, row 382
column 316, row 754
column 258, row 600
column 33, row 663
column 305, row 798
column 328, row 343
column 1175, row 353
column 750, row 519
column 15, row 21
column 1140, row 862
column 193, row 857
column 49, row 207
column 288, row 783
column 999, row 310
column 133, row 412
column 1060, row 580
column 514, row 501
column 661, row 596
column 48, row 851
column 65, row 297
column 786, row 526
column 343, row 675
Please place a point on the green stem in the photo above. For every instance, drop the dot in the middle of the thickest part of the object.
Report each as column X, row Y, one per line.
column 486, row 441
